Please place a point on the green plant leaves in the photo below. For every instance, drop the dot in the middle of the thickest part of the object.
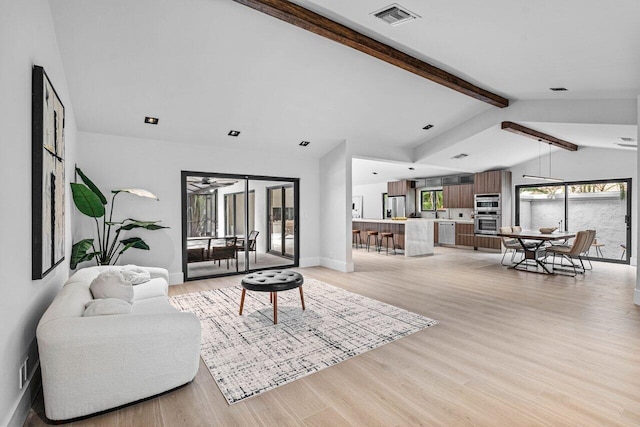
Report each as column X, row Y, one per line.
column 91, row 186
column 87, row 201
column 134, row 223
column 79, row 252
column 133, row 242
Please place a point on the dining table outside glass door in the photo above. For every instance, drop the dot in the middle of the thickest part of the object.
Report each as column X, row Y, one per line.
column 535, row 252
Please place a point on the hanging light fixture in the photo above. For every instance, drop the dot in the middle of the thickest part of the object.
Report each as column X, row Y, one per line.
column 540, row 177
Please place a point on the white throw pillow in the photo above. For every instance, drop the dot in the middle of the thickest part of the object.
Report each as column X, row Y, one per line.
column 136, row 275
column 106, row 307
column 111, row 284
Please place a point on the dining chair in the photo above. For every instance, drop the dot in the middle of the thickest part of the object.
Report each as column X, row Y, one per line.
column 512, row 244
column 581, row 242
column 251, row 244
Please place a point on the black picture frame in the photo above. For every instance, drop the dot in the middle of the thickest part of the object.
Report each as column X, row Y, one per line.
column 48, row 177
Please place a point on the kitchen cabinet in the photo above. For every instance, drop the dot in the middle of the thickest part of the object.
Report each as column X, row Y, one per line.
column 488, row 242
column 465, row 235
column 458, row 196
column 435, row 233
column 492, row 182
column 398, row 188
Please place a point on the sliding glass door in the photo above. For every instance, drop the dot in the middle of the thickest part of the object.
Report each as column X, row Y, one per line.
column 602, row 205
column 228, row 227
column 281, row 220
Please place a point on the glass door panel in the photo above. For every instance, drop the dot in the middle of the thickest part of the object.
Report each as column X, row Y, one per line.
column 541, row 206
column 275, row 219
column 289, row 221
column 601, row 206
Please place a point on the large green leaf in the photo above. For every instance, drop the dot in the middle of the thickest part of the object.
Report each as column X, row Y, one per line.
column 137, row 192
column 91, row 186
column 148, row 225
column 79, row 252
column 87, row 201
column 133, row 242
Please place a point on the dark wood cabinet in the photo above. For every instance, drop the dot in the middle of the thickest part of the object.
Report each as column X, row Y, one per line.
column 464, row 235
column 458, row 196
column 435, row 232
column 488, row 242
column 398, row 188
column 489, row 182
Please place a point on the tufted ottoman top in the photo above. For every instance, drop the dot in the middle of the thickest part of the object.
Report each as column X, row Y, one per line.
column 272, row 281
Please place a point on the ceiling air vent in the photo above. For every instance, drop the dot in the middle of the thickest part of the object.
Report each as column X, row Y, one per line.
column 625, row 139
column 395, row 14
column 460, row 156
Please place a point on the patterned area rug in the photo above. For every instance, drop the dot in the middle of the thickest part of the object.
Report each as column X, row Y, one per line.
column 248, row 354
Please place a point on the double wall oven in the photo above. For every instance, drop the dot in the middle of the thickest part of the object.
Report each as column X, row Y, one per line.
column 487, row 218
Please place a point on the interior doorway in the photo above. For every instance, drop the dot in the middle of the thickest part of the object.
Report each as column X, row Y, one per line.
column 228, row 223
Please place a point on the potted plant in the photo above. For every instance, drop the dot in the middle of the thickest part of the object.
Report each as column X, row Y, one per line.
column 107, row 249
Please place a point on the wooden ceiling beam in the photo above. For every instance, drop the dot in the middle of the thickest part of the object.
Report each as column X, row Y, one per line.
column 325, row 27
column 531, row 133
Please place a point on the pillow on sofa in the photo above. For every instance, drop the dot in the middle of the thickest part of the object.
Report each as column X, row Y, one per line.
column 107, row 306
column 136, row 275
column 111, row 284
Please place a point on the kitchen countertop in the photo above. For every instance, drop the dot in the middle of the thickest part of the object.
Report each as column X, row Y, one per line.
column 403, row 221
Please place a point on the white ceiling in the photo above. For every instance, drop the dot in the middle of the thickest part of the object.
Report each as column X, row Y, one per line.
column 205, row 67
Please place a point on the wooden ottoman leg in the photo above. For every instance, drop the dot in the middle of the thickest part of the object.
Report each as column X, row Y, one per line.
column 244, row 291
column 301, row 297
column 275, row 308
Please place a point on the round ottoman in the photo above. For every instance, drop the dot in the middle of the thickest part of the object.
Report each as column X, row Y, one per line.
column 272, row 281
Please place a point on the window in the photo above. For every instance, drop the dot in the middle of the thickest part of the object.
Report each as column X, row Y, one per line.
column 430, row 200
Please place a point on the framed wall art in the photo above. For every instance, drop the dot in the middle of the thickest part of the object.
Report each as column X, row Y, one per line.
column 48, row 180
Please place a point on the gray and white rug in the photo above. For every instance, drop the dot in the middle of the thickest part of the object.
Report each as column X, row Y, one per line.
column 248, row 354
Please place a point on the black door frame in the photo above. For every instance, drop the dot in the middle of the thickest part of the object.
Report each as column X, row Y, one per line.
column 566, row 184
column 282, row 215
column 296, row 232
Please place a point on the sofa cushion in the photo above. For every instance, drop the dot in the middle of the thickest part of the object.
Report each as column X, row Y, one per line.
column 156, row 305
column 156, row 287
column 106, row 307
column 136, row 275
column 111, row 284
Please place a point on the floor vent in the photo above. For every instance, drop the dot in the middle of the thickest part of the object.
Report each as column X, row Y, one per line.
column 395, row 14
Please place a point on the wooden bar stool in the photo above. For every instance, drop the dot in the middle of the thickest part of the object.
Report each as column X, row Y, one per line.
column 373, row 234
column 386, row 237
column 356, row 239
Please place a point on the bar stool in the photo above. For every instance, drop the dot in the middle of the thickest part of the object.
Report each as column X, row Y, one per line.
column 375, row 242
column 356, row 239
column 386, row 237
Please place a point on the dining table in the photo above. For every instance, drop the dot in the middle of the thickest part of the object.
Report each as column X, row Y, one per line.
column 534, row 252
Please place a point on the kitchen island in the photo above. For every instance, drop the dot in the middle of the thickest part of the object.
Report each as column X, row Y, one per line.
column 414, row 235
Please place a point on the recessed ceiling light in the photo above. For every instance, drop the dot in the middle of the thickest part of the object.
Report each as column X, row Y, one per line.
column 151, row 120
column 304, row 143
column 427, row 127
column 375, row 173
column 558, row 89
column 412, row 169
column 460, row 156
column 234, row 133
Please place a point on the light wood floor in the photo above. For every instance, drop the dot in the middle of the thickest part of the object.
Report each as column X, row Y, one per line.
column 512, row 349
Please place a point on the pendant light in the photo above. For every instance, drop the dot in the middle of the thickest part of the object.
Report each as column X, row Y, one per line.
column 540, row 177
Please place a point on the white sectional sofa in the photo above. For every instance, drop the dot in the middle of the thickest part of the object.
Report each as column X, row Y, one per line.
column 91, row 364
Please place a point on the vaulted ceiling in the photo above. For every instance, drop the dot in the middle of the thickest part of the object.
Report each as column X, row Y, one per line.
column 205, row 67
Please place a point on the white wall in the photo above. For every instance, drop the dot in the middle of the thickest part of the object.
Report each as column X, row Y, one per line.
column 27, row 38
column 636, row 296
column 335, row 199
column 586, row 164
column 371, row 199
column 120, row 162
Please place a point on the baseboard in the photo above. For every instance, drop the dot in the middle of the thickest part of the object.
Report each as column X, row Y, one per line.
column 18, row 415
column 636, row 296
column 337, row 265
column 176, row 278
column 309, row 262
